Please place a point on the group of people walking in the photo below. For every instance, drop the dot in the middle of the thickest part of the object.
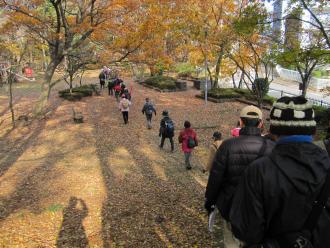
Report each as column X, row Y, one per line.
column 271, row 190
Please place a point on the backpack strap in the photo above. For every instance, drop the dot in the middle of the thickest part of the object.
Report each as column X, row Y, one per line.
column 318, row 205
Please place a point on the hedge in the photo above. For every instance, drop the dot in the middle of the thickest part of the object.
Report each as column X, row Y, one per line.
column 78, row 92
column 161, row 82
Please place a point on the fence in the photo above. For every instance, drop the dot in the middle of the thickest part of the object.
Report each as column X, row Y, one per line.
column 317, row 102
column 318, row 83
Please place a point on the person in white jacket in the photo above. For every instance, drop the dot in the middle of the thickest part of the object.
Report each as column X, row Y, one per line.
column 124, row 107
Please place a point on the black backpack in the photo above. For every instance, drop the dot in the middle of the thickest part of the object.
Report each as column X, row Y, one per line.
column 169, row 127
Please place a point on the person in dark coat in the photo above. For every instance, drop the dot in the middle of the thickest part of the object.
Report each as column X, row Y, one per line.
column 166, row 130
column 231, row 159
column 276, row 193
column 102, row 77
column 148, row 109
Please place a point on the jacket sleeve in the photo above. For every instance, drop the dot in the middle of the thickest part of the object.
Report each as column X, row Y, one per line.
column 212, row 153
column 247, row 212
column 216, row 175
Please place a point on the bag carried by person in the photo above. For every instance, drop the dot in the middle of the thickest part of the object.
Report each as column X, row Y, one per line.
column 191, row 142
column 301, row 239
column 149, row 109
column 125, row 104
column 169, row 126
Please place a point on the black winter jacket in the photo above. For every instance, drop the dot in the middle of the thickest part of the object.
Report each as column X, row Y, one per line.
column 276, row 194
column 231, row 159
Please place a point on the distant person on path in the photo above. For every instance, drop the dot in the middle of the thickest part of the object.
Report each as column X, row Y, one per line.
column 148, row 109
column 124, row 107
column 188, row 139
column 217, row 141
column 117, row 89
column 231, row 160
column 111, row 85
column 277, row 192
column 166, row 130
column 102, row 77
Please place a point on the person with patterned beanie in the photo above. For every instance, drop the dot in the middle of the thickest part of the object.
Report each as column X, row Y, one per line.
column 275, row 197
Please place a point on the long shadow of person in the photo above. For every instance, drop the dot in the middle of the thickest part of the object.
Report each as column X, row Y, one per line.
column 72, row 233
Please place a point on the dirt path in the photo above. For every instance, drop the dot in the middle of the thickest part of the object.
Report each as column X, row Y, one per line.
column 104, row 184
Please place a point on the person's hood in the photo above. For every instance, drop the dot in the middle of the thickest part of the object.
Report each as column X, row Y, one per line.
column 301, row 163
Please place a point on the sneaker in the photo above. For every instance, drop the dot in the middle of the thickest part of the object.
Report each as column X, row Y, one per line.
column 188, row 167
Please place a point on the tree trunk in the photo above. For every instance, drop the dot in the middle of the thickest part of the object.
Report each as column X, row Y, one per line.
column 45, row 88
column 11, row 107
column 218, row 67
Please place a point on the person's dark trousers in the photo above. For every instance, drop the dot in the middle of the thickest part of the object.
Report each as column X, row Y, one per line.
column 149, row 117
column 171, row 141
column 110, row 91
column 102, row 83
column 187, row 156
column 125, row 116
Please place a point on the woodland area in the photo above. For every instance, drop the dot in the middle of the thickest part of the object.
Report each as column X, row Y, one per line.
column 101, row 183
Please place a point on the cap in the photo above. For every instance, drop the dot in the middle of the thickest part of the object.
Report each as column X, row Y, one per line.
column 251, row 112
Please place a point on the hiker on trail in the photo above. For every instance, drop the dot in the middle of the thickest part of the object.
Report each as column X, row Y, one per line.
column 127, row 94
column 188, row 139
column 148, row 109
column 124, row 107
column 102, row 77
column 231, row 160
column 276, row 198
column 117, row 88
column 166, row 130
column 111, row 85
column 213, row 149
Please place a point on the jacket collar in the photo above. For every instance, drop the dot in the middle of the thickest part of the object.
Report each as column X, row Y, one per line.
column 250, row 131
column 295, row 139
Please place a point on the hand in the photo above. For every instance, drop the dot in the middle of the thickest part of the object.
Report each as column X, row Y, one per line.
column 209, row 206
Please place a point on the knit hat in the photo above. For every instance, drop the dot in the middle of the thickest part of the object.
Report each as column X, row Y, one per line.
column 251, row 112
column 292, row 116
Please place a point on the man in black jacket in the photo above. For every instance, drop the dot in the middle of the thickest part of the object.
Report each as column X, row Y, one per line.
column 276, row 193
column 166, row 130
column 232, row 158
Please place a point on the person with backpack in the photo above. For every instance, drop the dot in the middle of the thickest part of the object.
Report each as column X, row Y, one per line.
column 111, row 85
column 283, row 198
column 117, row 90
column 148, row 109
column 231, row 160
column 166, row 130
column 188, row 139
column 124, row 107
column 217, row 141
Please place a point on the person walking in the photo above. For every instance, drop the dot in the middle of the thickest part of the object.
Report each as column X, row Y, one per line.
column 213, row 149
column 188, row 139
column 278, row 201
column 148, row 109
column 166, row 130
column 102, row 77
column 124, row 105
column 231, row 160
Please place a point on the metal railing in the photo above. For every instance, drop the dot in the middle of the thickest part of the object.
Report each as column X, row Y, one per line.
column 317, row 102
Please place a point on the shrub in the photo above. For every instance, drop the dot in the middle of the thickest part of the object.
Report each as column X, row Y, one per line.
column 260, row 87
column 226, row 92
column 161, row 82
column 322, row 115
column 78, row 92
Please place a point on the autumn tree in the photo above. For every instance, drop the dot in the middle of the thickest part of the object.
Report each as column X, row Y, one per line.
column 62, row 24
